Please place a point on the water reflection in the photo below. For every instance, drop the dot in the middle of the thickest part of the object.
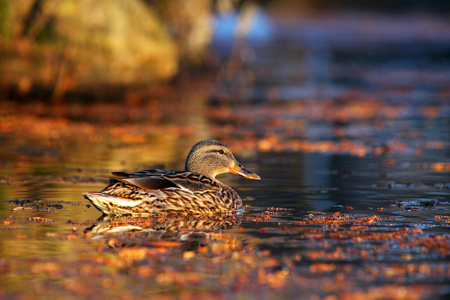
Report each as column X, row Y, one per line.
column 144, row 231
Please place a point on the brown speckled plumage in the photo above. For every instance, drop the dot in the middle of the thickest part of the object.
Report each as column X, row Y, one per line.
column 194, row 191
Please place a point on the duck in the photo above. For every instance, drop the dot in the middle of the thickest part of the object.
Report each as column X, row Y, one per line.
column 193, row 191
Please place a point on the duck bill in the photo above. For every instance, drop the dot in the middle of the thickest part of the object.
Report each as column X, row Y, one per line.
column 238, row 169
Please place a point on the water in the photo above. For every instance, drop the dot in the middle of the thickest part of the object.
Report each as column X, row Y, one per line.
column 351, row 145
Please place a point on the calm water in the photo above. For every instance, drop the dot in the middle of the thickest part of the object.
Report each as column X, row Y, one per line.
column 46, row 178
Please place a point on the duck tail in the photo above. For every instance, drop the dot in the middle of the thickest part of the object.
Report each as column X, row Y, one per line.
column 111, row 205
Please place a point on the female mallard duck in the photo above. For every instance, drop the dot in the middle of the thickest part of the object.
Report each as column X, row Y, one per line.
column 192, row 191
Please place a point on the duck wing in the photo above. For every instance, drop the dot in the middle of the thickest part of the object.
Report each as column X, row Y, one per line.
column 159, row 180
column 144, row 173
column 150, row 183
column 147, row 179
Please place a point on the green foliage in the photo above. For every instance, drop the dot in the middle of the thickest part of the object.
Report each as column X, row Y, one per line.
column 4, row 10
column 63, row 44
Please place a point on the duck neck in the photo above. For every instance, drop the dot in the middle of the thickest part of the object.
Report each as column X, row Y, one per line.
column 192, row 165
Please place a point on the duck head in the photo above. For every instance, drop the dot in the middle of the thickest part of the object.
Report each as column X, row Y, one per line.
column 211, row 158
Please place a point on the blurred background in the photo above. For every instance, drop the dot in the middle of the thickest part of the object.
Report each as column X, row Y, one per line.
column 320, row 76
column 86, row 50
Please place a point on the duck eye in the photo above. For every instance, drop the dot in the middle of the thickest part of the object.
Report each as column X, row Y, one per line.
column 221, row 151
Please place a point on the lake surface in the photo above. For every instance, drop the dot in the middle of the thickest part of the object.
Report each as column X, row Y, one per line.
column 350, row 136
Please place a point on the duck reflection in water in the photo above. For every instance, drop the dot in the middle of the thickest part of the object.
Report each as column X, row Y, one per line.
column 194, row 191
column 191, row 232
